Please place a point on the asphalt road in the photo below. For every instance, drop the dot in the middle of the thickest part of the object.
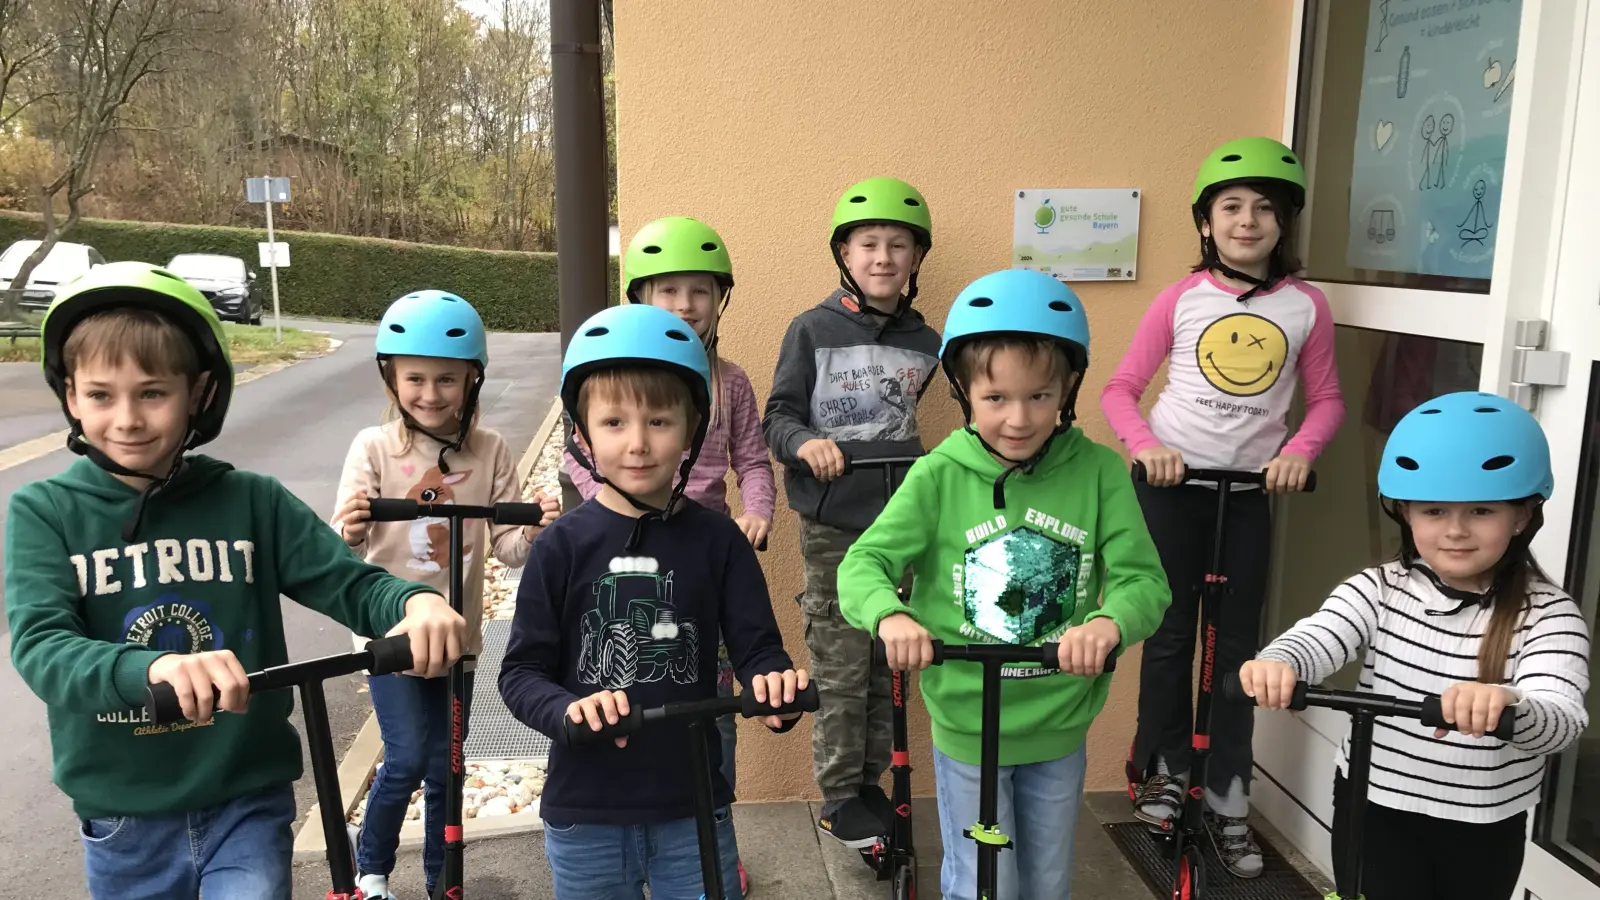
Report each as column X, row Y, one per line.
column 297, row 425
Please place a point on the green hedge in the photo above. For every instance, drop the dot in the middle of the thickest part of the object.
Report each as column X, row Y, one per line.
column 340, row 276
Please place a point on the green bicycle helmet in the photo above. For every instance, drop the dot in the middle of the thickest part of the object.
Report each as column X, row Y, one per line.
column 144, row 286
column 1250, row 159
column 673, row 245
column 880, row 201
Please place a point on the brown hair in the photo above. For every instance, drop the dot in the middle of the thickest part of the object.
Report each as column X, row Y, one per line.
column 1285, row 257
column 649, row 386
column 150, row 340
column 391, row 411
column 978, row 355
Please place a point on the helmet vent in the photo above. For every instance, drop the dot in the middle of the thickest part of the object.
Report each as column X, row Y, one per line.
column 709, row 247
column 980, row 302
column 1498, row 462
column 1407, row 463
column 1486, row 409
column 677, row 335
column 1232, row 157
column 450, row 299
column 653, row 248
column 1430, row 412
column 859, row 198
column 912, row 201
column 1291, row 160
column 1060, row 306
column 456, row 332
column 397, row 328
column 597, row 331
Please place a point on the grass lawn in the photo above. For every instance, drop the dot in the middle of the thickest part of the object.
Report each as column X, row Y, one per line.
column 247, row 344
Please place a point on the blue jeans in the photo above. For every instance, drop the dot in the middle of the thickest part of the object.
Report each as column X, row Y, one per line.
column 615, row 862
column 414, row 719
column 727, row 728
column 1038, row 808
column 241, row 849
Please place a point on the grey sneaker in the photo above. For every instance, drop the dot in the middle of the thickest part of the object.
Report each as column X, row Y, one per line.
column 1159, row 800
column 1236, row 846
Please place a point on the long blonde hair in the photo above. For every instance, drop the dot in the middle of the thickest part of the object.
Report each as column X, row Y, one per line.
column 713, row 358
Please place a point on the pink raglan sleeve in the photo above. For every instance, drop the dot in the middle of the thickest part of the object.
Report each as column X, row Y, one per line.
column 582, row 478
column 1151, row 344
column 1319, row 375
column 747, row 447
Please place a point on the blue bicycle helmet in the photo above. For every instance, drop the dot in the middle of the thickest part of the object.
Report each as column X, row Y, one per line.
column 635, row 334
column 433, row 323
column 1464, row 447
column 1020, row 302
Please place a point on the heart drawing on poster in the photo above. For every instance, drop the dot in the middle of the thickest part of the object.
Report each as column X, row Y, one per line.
column 1382, row 133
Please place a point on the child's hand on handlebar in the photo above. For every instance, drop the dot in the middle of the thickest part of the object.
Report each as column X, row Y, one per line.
column 1288, row 472
column 1083, row 649
column 437, row 634
column 600, row 709
column 779, row 688
column 824, row 457
column 754, row 527
column 1473, row 707
column 552, row 511
column 193, row 677
column 1269, row 681
column 1163, row 466
column 907, row 645
column 352, row 518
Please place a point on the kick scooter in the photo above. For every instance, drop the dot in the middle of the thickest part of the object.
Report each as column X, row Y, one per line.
column 1364, row 709
column 1181, row 838
column 399, row 510
column 381, row 657
column 701, row 715
column 986, row 832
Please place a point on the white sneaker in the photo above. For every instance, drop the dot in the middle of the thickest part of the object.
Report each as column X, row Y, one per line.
column 375, row 887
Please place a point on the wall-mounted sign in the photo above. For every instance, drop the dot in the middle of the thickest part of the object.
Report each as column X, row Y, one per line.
column 1077, row 234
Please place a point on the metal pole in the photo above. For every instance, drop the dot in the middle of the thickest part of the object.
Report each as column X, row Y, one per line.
column 272, row 263
column 582, row 251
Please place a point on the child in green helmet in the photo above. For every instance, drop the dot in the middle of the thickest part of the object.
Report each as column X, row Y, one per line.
column 138, row 565
column 850, row 374
column 1240, row 333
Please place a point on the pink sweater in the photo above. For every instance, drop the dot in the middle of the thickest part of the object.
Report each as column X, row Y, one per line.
column 736, row 441
column 1232, row 376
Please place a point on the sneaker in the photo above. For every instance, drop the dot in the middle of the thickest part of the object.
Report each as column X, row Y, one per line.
column 374, row 887
column 1236, row 846
column 744, row 880
column 1158, row 800
column 878, row 803
column 850, row 823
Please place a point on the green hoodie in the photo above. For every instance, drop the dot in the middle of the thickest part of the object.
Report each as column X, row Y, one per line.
column 1071, row 532
column 89, row 612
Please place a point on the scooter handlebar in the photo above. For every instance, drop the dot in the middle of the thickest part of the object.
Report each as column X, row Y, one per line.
column 383, row 656
column 866, row 462
column 390, row 509
column 1428, row 712
column 744, row 704
column 1046, row 655
column 1234, row 476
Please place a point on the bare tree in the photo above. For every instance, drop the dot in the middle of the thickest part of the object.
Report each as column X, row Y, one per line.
column 25, row 42
column 103, row 50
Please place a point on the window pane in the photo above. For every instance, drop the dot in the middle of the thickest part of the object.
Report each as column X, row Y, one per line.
column 1403, row 126
column 1571, row 821
column 1340, row 528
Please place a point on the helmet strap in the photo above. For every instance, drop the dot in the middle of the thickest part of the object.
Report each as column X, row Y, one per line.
column 1516, row 550
column 848, row 283
column 649, row 512
column 77, row 444
column 1068, row 415
column 453, row 444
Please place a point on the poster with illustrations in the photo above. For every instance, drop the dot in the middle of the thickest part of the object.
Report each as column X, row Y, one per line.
column 1436, row 90
column 1082, row 234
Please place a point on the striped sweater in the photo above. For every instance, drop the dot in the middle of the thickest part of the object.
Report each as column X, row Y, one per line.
column 1417, row 641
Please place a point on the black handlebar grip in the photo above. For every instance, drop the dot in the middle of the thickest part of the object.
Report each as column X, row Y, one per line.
column 1140, row 474
column 1050, row 655
column 161, row 703
column 389, row 509
column 581, row 733
column 1433, row 717
column 390, row 654
column 1233, row 690
column 518, row 514
column 806, row 701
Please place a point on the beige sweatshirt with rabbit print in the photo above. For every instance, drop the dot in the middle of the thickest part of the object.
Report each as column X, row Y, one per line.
column 481, row 474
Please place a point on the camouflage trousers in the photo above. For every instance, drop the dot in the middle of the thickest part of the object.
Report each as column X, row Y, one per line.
column 851, row 734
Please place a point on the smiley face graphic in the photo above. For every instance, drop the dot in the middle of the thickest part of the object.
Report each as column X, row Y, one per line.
column 1242, row 354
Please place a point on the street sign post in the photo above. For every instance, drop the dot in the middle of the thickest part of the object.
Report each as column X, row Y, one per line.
column 268, row 190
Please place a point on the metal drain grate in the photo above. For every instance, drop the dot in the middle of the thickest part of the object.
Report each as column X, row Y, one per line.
column 494, row 733
column 1278, row 881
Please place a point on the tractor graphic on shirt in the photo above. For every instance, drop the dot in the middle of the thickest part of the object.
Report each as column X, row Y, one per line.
column 634, row 634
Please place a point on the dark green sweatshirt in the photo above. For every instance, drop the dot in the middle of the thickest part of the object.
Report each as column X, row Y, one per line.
column 89, row 612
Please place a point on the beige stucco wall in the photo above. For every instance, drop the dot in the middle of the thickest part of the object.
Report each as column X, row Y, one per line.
column 755, row 116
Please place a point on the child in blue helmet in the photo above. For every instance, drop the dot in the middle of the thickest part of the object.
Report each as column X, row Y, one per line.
column 432, row 354
column 1463, row 612
column 1014, row 527
column 621, row 605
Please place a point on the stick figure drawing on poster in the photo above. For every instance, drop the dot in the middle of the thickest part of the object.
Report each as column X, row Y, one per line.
column 1479, row 221
column 1383, row 25
column 1427, row 154
column 1447, row 124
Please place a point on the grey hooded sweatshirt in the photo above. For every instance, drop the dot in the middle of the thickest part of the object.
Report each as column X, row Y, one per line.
column 855, row 378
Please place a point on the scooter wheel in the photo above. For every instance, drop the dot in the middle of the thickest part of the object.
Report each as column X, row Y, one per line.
column 905, row 883
column 1191, row 881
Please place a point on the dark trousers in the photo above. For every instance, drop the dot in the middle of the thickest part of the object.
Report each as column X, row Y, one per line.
column 1410, row 856
column 1182, row 522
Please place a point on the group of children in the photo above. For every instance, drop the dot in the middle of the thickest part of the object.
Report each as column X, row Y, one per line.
column 134, row 566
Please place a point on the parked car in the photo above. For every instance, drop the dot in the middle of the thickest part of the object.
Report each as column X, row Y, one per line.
column 65, row 262
column 226, row 281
